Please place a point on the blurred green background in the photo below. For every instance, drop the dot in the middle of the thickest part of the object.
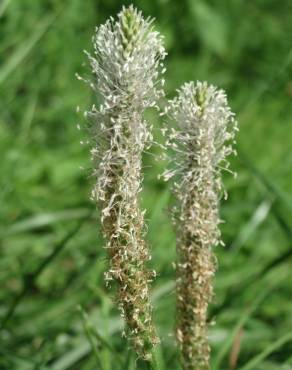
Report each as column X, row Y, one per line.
column 52, row 260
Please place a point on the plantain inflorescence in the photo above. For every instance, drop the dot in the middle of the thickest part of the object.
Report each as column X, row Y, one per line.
column 127, row 66
column 200, row 139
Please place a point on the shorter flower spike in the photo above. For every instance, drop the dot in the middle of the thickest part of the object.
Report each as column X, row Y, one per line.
column 200, row 141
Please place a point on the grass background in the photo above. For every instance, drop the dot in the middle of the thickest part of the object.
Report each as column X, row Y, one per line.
column 55, row 311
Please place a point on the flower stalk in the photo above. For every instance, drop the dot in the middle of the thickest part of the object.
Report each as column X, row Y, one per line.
column 126, row 64
column 200, row 141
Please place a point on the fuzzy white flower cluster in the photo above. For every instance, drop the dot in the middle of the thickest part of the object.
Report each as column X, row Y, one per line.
column 204, row 133
column 201, row 139
column 127, row 62
column 127, row 65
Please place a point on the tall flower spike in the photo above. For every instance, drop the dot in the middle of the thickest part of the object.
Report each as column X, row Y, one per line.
column 126, row 64
column 201, row 141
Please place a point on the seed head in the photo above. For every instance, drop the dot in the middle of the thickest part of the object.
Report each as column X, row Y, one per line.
column 127, row 60
column 200, row 141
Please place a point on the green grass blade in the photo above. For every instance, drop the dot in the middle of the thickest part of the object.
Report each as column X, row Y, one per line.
column 20, row 362
column 24, row 49
column 130, row 361
column 252, row 225
column 267, row 84
column 88, row 330
column 276, row 193
column 3, row 7
column 82, row 348
column 71, row 357
column 30, row 279
column 158, row 356
column 243, row 319
column 45, row 219
column 26, row 122
column 252, row 364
